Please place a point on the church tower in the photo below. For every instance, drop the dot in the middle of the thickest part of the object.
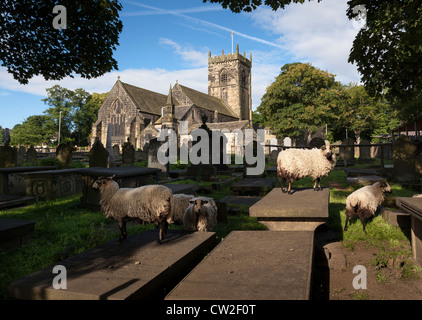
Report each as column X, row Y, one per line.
column 229, row 78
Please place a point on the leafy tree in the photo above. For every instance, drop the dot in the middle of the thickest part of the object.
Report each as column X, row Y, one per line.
column 301, row 98
column 34, row 130
column 30, row 45
column 79, row 111
column 388, row 52
column 250, row 5
column 85, row 115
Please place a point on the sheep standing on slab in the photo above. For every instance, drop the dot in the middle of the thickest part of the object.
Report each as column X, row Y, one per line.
column 295, row 164
column 201, row 215
column 365, row 201
column 180, row 203
column 149, row 204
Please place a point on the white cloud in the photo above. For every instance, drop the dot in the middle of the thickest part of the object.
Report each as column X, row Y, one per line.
column 314, row 32
column 193, row 57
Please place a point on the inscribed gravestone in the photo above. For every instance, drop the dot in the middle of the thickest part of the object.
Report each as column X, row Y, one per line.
column 347, row 153
column 404, row 159
column 64, row 155
column 7, row 157
column 31, row 155
column 153, row 162
column 98, row 155
column 116, row 151
column 128, row 153
column 365, row 152
column 20, row 155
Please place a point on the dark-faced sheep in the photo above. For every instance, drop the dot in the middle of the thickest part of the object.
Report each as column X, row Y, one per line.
column 149, row 204
column 365, row 201
column 295, row 164
column 180, row 203
column 201, row 215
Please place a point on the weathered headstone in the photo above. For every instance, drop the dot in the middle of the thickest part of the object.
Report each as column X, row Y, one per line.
column 31, row 155
column 64, row 155
column 365, row 152
column 153, row 162
column 116, row 151
column 128, row 153
column 347, row 153
column 98, row 155
column 287, row 142
column 20, row 155
column 317, row 143
column 404, row 160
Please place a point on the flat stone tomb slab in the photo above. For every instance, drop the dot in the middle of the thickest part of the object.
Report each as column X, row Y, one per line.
column 365, row 180
column 253, row 185
column 303, row 203
column 135, row 269
column 305, row 209
column 253, row 265
column 14, row 233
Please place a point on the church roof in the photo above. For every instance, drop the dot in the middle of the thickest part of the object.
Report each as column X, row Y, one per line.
column 147, row 101
column 205, row 101
column 230, row 125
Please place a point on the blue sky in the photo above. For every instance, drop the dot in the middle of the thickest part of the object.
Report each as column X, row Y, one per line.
column 166, row 41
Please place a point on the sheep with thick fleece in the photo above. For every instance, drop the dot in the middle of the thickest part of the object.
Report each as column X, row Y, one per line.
column 149, row 204
column 295, row 164
column 180, row 203
column 201, row 215
column 365, row 201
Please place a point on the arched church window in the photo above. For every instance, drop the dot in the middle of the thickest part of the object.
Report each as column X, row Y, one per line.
column 117, row 118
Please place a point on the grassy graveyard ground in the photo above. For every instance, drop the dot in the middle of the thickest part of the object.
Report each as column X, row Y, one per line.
column 63, row 229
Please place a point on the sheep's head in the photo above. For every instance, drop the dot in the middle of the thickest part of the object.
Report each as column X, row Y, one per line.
column 198, row 205
column 102, row 181
column 327, row 153
column 385, row 187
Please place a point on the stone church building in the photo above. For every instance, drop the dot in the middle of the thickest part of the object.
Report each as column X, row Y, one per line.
column 134, row 113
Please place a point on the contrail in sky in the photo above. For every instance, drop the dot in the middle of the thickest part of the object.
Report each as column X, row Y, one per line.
column 179, row 13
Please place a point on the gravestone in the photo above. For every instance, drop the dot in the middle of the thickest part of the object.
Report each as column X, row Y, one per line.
column 287, row 142
column 31, row 155
column 128, row 153
column 273, row 156
column 347, row 153
column 20, row 155
column 7, row 157
column 98, row 155
column 365, row 152
column 202, row 170
column 64, row 155
column 116, row 151
column 317, row 143
column 404, row 160
column 153, row 162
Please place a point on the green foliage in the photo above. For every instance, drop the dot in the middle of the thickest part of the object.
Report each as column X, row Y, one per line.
column 31, row 46
column 33, row 131
column 301, row 98
column 388, row 52
column 238, row 6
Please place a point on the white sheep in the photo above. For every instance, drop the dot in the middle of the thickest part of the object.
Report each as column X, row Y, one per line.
column 149, row 204
column 180, row 203
column 201, row 215
column 365, row 201
column 294, row 164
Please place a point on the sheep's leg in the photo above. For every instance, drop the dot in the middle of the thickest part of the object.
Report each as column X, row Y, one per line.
column 163, row 231
column 122, row 227
column 282, row 185
column 347, row 220
column 317, row 182
column 289, row 189
column 362, row 218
